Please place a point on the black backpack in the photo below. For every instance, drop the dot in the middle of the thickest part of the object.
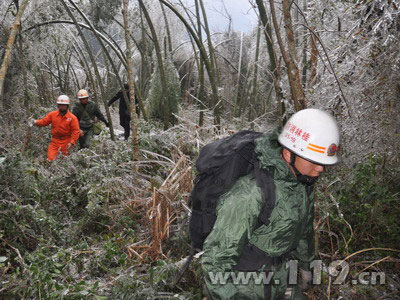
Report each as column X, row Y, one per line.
column 219, row 165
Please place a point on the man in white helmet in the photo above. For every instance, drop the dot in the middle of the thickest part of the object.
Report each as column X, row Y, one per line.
column 86, row 111
column 254, row 233
column 64, row 128
column 310, row 145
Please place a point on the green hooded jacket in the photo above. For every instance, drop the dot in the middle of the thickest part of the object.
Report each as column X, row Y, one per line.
column 290, row 230
column 87, row 113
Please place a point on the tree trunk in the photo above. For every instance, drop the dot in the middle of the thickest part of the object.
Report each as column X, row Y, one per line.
column 145, row 63
column 134, row 122
column 255, row 74
column 75, row 79
column 42, row 87
column 66, row 74
column 167, row 29
column 140, row 100
column 213, row 62
column 274, row 65
column 289, row 56
column 201, row 93
column 166, row 113
column 313, row 62
column 10, row 42
column 305, row 43
column 239, row 99
column 58, row 77
column 24, row 72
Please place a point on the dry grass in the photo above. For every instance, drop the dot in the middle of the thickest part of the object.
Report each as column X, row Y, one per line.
column 161, row 211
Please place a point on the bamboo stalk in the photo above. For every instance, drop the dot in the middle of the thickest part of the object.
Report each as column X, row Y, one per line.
column 10, row 42
column 134, row 121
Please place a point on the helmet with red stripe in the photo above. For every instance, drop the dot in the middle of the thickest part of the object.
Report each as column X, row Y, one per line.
column 312, row 134
column 63, row 99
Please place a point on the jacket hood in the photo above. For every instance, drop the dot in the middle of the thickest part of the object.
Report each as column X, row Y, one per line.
column 268, row 152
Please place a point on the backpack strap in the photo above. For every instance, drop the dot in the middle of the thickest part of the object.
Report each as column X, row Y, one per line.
column 265, row 181
column 85, row 111
column 253, row 258
column 85, row 121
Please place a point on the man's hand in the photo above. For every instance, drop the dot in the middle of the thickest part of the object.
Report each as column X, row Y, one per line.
column 70, row 145
column 31, row 122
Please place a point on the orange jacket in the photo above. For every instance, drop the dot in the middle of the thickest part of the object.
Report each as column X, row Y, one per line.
column 62, row 127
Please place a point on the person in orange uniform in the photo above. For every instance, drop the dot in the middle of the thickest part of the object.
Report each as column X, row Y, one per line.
column 65, row 129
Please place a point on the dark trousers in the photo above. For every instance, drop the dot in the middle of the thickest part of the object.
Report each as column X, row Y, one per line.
column 84, row 141
column 125, row 122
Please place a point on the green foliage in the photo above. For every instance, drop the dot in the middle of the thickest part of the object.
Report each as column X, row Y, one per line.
column 357, row 209
column 52, row 276
column 45, row 206
column 371, row 200
column 156, row 96
column 65, row 225
column 155, row 283
column 367, row 197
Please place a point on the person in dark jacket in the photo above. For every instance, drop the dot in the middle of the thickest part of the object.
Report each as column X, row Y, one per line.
column 295, row 157
column 124, row 112
column 86, row 111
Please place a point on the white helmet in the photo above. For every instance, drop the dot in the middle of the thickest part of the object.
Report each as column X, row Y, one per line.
column 312, row 134
column 63, row 99
column 82, row 94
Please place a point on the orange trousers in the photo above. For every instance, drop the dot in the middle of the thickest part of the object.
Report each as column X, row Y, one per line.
column 55, row 146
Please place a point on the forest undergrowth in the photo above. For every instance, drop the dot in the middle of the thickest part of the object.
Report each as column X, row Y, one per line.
column 88, row 226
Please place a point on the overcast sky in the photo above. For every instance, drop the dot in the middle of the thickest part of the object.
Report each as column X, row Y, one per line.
column 243, row 16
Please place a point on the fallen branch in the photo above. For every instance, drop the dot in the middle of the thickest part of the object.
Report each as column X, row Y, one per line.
column 21, row 260
column 370, row 249
column 373, row 264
